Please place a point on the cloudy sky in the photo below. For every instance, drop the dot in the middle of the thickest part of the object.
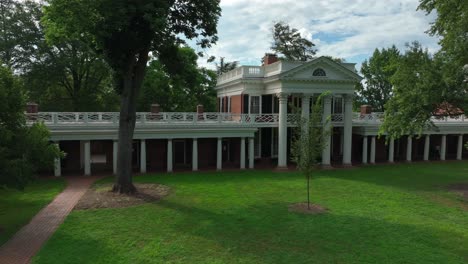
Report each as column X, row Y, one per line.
column 349, row 29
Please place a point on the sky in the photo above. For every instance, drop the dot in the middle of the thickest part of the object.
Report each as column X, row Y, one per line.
column 349, row 29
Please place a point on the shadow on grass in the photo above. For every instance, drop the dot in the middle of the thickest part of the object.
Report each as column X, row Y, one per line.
column 265, row 233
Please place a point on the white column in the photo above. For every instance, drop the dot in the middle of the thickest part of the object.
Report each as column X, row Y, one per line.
column 242, row 154
column 57, row 164
column 348, row 130
column 169, row 156
column 143, row 156
column 114, row 156
column 326, row 152
column 372, row 150
column 251, row 153
column 409, row 148
column 219, row 154
column 87, row 158
column 443, row 147
column 364, row 150
column 391, row 150
column 460, row 147
column 195, row 154
column 427, row 142
column 283, row 130
column 305, row 106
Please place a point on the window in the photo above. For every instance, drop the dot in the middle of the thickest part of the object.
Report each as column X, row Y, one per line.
column 337, row 105
column 275, row 108
column 319, row 72
column 255, row 104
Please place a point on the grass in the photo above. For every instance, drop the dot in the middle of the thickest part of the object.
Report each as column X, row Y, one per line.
column 18, row 207
column 379, row 214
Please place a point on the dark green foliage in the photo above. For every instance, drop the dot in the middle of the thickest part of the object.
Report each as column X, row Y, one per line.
column 65, row 76
column 224, row 67
column 289, row 43
column 377, row 72
column 23, row 149
column 179, row 90
column 418, row 90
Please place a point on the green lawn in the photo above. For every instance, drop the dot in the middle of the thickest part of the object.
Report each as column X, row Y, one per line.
column 379, row 214
column 18, row 207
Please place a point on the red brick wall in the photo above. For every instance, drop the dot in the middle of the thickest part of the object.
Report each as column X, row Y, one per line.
column 236, row 104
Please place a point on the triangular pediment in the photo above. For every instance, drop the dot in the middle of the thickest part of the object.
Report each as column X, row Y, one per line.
column 321, row 69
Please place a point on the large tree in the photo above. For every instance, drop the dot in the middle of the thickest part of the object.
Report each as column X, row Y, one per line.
column 125, row 32
column 23, row 149
column 66, row 76
column 418, row 92
column 431, row 81
column 180, row 91
column 289, row 43
column 224, row 66
column 377, row 72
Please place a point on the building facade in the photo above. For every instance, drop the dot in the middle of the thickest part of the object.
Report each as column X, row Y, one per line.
column 252, row 127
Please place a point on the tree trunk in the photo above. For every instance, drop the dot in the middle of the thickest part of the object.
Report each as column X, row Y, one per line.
column 130, row 84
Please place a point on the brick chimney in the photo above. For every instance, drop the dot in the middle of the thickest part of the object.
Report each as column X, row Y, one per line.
column 366, row 109
column 200, row 111
column 269, row 58
column 155, row 108
column 32, row 108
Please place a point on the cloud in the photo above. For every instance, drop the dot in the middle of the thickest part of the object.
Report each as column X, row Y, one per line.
column 340, row 28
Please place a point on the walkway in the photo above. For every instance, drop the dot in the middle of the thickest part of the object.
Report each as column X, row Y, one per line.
column 29, row 239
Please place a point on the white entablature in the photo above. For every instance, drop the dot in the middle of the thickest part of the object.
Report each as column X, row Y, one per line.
column 312, row 77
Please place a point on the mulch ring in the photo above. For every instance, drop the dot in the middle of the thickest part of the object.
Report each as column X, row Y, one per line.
column 100, row 196
column 461, row 189
column 303, row 209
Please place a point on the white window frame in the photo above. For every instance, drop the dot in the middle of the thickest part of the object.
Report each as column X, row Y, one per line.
column 259, row 104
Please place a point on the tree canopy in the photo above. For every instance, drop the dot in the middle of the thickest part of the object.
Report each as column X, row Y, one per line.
column 181, row 91
column 289, row 43
column 423, row 83
column 65, row 76
column 377, row 71
column 125, row 32
column 23, row 149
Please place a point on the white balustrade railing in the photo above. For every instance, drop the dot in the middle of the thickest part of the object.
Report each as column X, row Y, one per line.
column 142, row 118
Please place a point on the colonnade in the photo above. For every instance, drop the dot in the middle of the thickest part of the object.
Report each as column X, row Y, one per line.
column 170, row 154
column 409, row 148
column 327, row 111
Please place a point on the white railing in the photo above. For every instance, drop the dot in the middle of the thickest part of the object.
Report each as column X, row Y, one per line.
column 378, row 117
column 241, row 72
column 142, row 118
column 258, row 120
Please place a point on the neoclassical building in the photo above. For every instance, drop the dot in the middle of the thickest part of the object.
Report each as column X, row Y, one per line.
column 252, row 127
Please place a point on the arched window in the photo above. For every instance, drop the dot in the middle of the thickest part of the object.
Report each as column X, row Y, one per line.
column 319, row 72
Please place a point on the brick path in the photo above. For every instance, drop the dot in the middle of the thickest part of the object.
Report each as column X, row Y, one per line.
column 29, row 239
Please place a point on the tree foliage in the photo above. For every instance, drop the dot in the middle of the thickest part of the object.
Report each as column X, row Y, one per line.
column 417, row 93
column 309, row 141
column 181, row 91
column 377, row 72
column 289, row 43
column 224, row 67
column 125, row 32
column 66, row 76
column 23, row 149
